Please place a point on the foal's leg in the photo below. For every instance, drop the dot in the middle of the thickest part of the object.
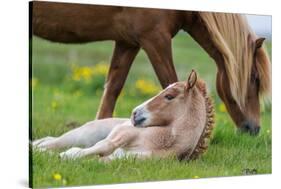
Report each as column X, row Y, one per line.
column 41, row 140
column 157, row 46
column 122, row 59
column 119, row 137
column 87, row 135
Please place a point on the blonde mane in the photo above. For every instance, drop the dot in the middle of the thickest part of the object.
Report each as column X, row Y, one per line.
column 230, row 34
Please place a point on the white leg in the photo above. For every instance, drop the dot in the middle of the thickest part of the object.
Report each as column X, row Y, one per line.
column 102, row 148
column 87, row 135
column 119, row 137
column 39, row 141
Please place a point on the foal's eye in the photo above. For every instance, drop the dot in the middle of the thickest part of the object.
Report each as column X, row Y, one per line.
column 169, row 97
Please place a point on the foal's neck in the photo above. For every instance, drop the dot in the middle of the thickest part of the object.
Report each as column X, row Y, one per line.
column 190, row 121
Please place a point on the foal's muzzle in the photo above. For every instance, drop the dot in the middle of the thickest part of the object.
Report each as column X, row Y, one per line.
column 138, row 118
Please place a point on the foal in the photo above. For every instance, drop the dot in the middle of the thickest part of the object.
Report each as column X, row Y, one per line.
column 176, row 122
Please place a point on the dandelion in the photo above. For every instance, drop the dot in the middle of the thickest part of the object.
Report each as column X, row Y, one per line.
column 146, row 87
column 100, row 69
column 80, row 73
column 57, row 176
column 222, row 108
column 86, row 73
column 196, row 177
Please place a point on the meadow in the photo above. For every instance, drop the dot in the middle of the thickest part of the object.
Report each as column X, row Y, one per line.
column 66, row 87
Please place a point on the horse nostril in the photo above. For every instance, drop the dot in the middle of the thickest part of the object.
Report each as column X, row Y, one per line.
column 250, row 127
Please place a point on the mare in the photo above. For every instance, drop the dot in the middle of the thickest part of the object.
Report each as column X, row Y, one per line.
column 243, row 67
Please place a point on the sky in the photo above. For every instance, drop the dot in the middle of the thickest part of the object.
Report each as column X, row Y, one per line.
column 260, row 24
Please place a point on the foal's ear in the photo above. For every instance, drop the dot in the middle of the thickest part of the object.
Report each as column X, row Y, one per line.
column 259, row 42
column 191, row 81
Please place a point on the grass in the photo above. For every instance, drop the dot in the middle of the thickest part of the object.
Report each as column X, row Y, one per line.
column 60, row 104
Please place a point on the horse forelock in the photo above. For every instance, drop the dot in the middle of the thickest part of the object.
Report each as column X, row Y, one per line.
column 230, row 33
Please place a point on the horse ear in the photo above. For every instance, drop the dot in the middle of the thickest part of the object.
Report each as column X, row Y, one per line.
column 191, row 81
column 259, row 42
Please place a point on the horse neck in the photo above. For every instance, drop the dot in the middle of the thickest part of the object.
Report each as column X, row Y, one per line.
column 199, row 32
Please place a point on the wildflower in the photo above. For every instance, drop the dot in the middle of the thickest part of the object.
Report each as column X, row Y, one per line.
column 80, row 73
column 196, row 177
column 34, row 82
column 86, row 73
column 222, row 108
column 146, row 87
column 100, row 69
column 57, row 176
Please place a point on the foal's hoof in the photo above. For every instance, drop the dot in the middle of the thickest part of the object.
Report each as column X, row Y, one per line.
column 72, row 153
column 250, row 128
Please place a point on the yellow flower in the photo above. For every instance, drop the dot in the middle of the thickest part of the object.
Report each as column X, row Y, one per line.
column 100, row 69
column 196, row 177
column 57, row 176
column 222, row 108
column 34, row 82
column 84, row 73
column 146, row 87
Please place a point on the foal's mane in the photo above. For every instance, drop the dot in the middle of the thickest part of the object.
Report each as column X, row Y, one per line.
column 230, row 34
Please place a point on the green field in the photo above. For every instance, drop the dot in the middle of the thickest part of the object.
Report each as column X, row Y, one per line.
column 67, row 84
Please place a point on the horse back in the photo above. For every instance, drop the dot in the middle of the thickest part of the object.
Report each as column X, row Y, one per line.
column 78, row 23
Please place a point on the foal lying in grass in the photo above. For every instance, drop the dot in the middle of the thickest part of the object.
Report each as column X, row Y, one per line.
column 176, row 122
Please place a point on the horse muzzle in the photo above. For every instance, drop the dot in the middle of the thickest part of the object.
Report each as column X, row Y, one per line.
column 250, row 127
column 138, row 118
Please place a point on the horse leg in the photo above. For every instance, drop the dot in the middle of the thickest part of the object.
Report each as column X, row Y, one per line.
column 158, row 48
column 122, row 59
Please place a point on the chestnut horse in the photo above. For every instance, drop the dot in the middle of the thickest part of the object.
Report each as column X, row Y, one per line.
column 152, row 131
column 243, row 65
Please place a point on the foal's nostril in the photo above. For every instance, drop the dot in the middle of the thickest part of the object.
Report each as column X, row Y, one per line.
column 138, row 117
column 135, row 113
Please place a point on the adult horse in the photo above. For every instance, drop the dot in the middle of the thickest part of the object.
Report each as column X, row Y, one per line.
column 243, row 65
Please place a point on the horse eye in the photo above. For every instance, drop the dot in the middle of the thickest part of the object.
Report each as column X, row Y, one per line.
column 169, row 97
